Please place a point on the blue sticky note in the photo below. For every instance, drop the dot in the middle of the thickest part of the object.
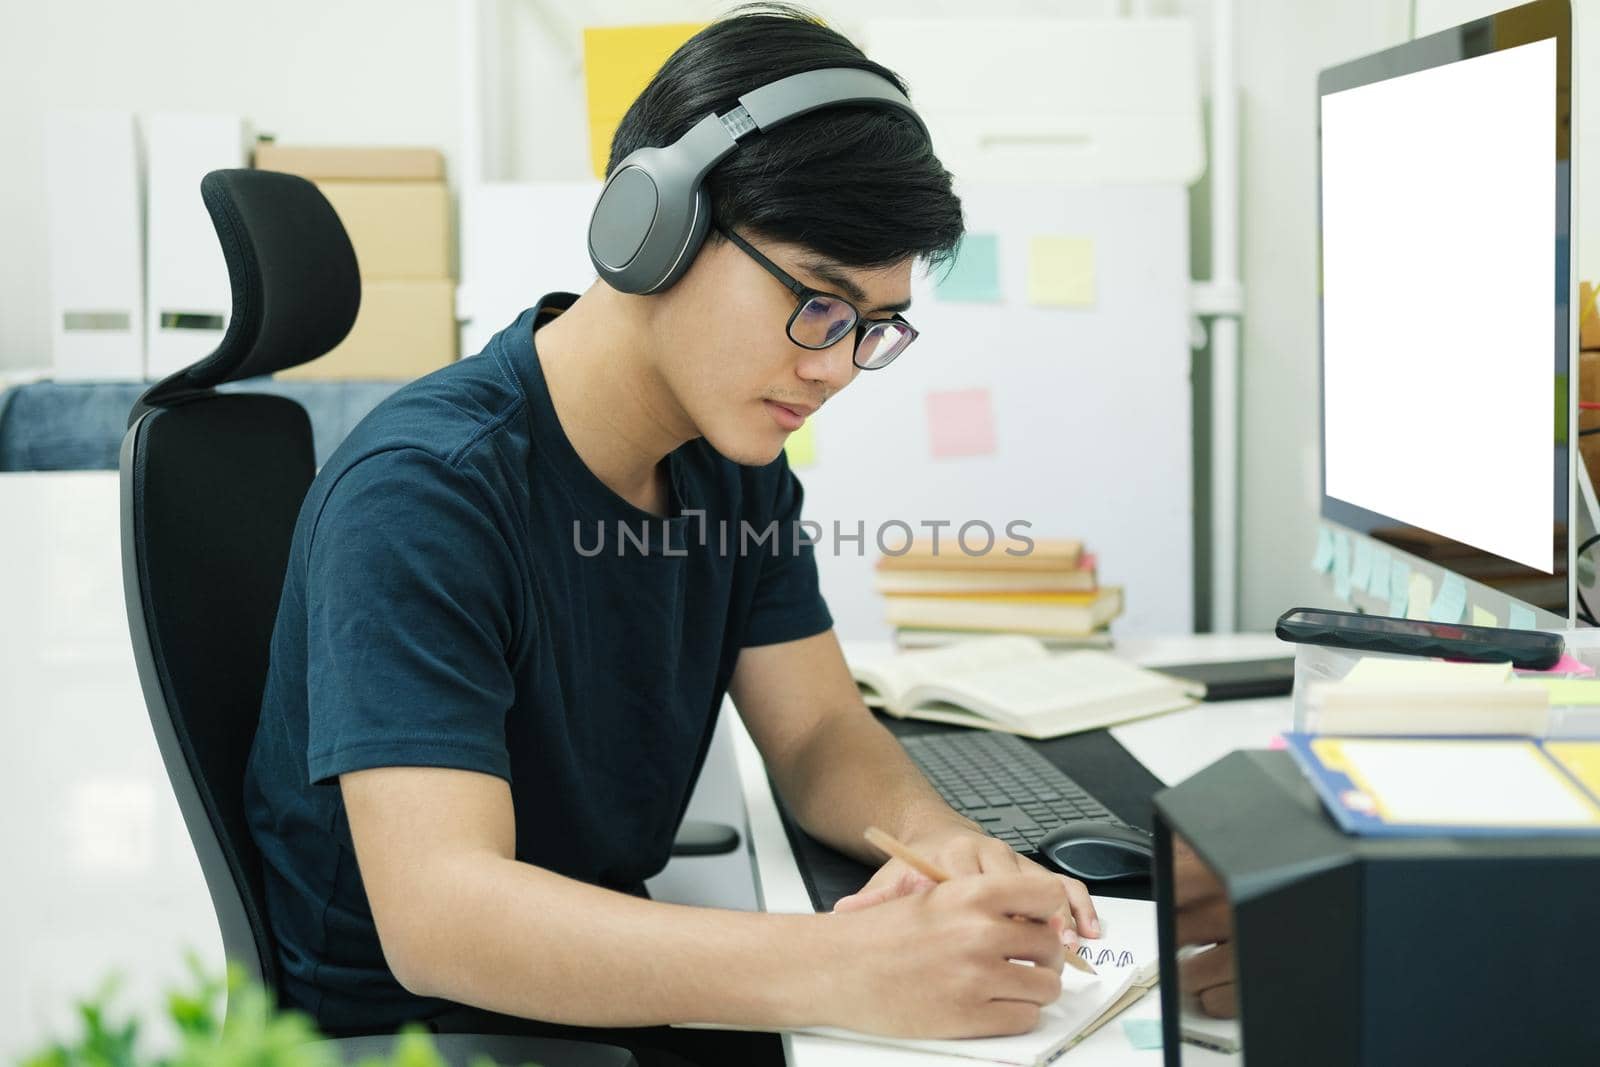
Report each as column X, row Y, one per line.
column 1143, row 1033
column 1341, row 566
column 1399, row 588
column 974, row 276
column 1378, row 583
column 1322, row 560
column 1451, row 601
column 1521, row 618
column 1361, row 570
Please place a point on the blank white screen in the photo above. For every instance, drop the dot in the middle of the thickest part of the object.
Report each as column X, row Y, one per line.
column 1438, row 299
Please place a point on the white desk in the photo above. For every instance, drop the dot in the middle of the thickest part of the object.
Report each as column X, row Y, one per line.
column 1172, row 746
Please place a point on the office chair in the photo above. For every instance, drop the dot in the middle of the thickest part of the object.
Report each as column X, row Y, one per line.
column 212, row 484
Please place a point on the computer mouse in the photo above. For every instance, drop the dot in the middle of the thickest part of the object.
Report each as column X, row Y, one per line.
column 1099, row 851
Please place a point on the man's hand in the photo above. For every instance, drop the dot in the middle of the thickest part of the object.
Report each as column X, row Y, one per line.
column 1202, row 917
column 961, row 850
column 940, row 964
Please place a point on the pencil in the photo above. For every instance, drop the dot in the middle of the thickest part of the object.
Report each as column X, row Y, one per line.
column 892, row 847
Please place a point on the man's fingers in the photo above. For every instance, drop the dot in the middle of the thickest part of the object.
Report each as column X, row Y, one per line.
column 894, row 879
column 1037, row 943
column 1035, row 985
column 1081, row 903
column 1221, row 1001
column 1213, row 967
column 859, row 900
column 1026, row 895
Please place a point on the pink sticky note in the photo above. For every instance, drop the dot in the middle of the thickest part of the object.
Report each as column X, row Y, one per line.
column 1277, row 744
column 961, row 423
column 1567, row 664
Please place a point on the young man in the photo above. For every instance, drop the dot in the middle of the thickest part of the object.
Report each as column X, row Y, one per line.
column 479, row 734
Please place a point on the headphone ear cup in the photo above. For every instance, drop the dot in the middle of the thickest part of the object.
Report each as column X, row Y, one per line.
column 623, row 219
column 649, row 222
column 699, row 222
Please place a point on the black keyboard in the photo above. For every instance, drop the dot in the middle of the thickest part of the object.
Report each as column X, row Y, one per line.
column 1000, row 783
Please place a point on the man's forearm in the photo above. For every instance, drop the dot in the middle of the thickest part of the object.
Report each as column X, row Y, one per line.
column 852, row 774
column 517, row 939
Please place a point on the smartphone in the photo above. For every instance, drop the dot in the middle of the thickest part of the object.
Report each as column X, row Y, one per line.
column 1529, row 650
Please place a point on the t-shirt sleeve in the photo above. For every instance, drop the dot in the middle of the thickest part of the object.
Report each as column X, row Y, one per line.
column 413, row 602
column 788, row 602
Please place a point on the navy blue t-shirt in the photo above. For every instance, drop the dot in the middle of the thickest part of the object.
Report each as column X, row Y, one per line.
column 462, row 591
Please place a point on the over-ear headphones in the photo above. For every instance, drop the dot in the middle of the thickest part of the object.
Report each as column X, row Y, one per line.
column 653, row 212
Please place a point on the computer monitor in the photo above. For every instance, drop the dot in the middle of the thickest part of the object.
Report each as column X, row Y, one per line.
column 1446, row 354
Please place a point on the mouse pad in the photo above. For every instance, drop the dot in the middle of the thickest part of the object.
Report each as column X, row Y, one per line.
column 1096, row 760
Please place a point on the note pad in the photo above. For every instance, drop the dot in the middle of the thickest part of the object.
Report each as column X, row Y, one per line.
column 1427, row 786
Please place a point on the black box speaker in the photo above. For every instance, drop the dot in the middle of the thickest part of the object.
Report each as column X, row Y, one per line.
column 1374, row 951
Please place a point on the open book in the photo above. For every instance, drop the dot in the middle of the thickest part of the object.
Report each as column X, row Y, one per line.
column 1014, row 684
column 1125, row 957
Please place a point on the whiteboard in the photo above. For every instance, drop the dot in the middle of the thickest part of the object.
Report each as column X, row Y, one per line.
column 1091, row 406
column 1091, row 411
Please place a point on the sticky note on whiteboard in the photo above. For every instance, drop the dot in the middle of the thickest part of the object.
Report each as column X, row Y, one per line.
column 974, row 276
column 1341, row 566
column 1361, row 570
column 1483, row 617
column 1451, row 602
column 618, row 62
column 961, row 423
column 1421, row 597
column 1322, row 559
column 1378, row 582
column 1399, row 588
column 801, row 447
column 1521, row 618
column 1061, row 272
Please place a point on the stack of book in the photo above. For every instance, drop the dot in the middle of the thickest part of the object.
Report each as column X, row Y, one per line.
column 1051, row 593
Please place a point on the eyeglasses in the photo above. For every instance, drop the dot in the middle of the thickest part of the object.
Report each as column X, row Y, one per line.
column 821, row 320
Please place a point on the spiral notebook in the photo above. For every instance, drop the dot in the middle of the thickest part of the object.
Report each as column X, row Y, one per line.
column 1125, row 957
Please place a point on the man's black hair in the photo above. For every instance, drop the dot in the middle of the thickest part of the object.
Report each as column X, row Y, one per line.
column 857, row 184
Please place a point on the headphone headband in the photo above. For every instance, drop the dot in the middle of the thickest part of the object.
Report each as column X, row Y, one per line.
column 653, row 212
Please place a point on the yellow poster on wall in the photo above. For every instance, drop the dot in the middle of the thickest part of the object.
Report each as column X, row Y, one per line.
column 618, row 62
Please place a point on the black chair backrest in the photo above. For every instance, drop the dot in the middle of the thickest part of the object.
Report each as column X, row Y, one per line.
column 212, row 484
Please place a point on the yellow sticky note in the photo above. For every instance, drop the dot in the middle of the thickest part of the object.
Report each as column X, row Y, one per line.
column 618, row 62
column 1483, row 617
column 801, row 446
column 1061, row 272
column 1565, row 692
column 1421, row 597
column 1580, row 758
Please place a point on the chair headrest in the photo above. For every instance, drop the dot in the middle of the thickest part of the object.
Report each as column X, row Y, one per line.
column 293, row 273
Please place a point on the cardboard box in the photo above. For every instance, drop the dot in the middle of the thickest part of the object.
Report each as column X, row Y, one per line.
column 399, row 229
column 352, row 164
column 1588, row 315
column 405, row 329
